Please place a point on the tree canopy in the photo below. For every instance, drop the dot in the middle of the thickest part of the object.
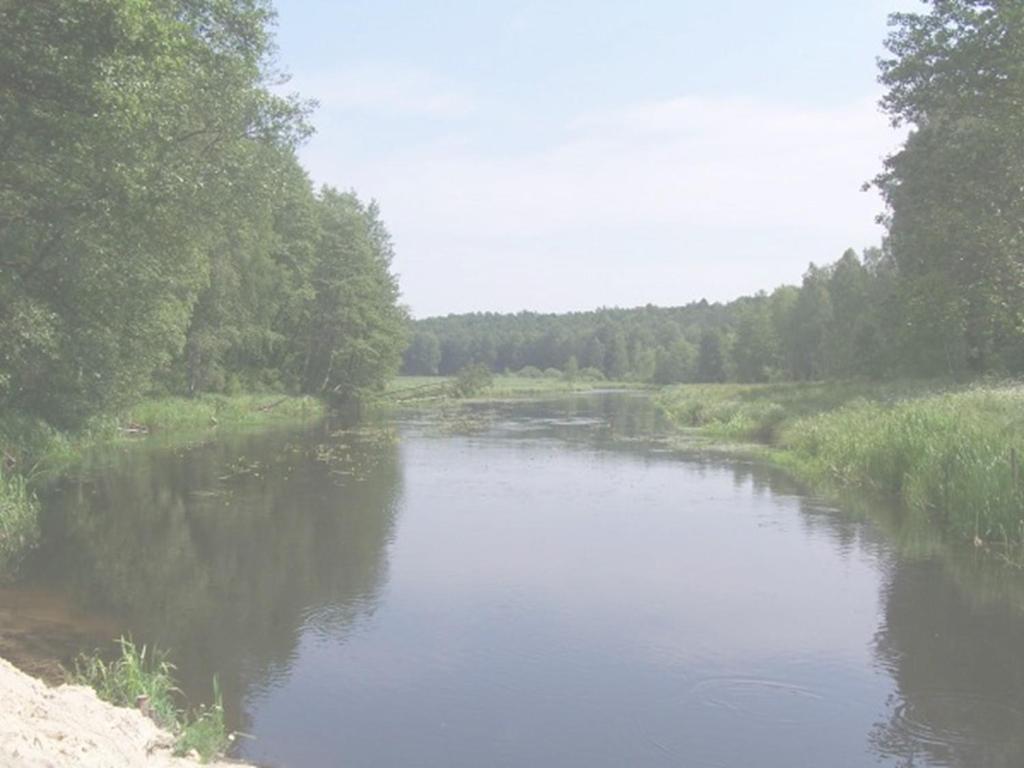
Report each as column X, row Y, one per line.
column 155, row 226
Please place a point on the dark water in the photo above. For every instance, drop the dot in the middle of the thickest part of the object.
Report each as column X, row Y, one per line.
column 531, row 585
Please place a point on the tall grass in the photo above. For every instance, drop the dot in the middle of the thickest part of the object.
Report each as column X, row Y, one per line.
column 19, row 521
column 426, row 390
column 957, row 456
column 180, row 413
column 144, row 678
column 761, row 411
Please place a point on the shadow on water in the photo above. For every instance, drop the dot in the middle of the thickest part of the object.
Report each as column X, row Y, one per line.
column 223, row 552
column 531, row 583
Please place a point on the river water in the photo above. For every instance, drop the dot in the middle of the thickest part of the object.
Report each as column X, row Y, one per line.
column 529, row 584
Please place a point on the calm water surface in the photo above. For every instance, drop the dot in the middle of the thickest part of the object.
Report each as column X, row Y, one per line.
column 529, row 585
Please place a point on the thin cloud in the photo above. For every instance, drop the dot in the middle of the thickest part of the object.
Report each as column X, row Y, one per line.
column 385, row 88
column 711, row 195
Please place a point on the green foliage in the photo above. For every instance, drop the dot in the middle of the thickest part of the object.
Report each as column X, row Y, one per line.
column 19, row 521
column 572, row 369
column 472, row 380
column 137, row 671
column 178, row 413
column 355, row 330
column 423, row 356
column 956, row 215
column 956, row 456
column 142, row 673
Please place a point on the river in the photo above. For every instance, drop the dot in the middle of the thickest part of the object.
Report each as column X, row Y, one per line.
column 528, row 584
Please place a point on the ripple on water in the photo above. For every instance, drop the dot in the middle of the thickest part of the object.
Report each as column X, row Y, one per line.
column 944, row 722
column 761, row 699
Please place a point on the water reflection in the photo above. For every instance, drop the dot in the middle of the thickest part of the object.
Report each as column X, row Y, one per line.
column 541, row 584
column 225, row 552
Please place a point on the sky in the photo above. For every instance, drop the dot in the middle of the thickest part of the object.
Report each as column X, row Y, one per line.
column 574, row 154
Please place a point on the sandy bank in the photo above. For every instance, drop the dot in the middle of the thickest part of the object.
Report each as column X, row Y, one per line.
column 70, row 726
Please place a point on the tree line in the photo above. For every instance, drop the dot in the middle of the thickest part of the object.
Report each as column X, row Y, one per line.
column 157, row 233
column 942, row 296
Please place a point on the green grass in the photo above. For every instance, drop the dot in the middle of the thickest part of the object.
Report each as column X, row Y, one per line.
column 759, row 412
column 418, row 390
column 950, row 452
column 957, row 456
column 139, row 674
column 34, row 446
column 179, row 413
column 19, row 522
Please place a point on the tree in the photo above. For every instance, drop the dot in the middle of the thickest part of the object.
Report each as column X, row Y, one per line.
column 472, row 380
column 423, row 356
column 674, row 364
column 754, row 351
column 617, row 358
column 956, row 215
column 811, row 315
column 122, row 125
column 572, row 369
column 711, row 357
column 355, row 330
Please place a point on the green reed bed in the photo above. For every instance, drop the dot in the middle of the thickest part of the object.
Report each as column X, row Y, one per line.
column 951, row 452
column 143, row 678
column 760, row 412
column 179, row 413
column 957, row 456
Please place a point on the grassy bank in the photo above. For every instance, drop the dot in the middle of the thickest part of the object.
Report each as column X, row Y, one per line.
column 31, row 449
column 422, row 390
column 30, row 445
column 954, row 453
column 142, row 678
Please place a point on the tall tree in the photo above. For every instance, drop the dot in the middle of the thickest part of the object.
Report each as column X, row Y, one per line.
column 120, row 125
column 956, row 213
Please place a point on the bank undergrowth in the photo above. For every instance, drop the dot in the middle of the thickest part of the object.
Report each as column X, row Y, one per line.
column 31, row 449
column 19, row 521
column 424, row 390
column 144, row 678
column 954, row 453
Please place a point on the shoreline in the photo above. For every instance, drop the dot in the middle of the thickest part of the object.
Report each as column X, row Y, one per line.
column 68, row 725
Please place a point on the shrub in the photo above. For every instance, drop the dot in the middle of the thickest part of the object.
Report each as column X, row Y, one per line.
column 472, row 380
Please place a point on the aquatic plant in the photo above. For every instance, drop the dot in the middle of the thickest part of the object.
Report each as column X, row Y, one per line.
column 954, row 453
column 957, row 456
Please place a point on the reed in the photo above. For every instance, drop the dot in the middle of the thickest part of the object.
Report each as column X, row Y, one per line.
column 144, row 678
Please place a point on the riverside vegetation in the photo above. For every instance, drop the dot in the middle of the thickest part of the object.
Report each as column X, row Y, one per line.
column 952, row 453
column 162, row 251
column 143, row 677
column 941, row 299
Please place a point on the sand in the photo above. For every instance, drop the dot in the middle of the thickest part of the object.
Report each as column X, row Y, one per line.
column 69, row 726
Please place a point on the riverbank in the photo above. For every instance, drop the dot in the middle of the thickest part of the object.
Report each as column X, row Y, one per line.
column 70, row 726
column 952, row 452
column 427, row 390
column 31, row 449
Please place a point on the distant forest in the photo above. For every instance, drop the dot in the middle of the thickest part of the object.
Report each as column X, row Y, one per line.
column 943, row 295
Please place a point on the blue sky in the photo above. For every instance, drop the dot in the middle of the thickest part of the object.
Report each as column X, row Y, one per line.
column 574, row 154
